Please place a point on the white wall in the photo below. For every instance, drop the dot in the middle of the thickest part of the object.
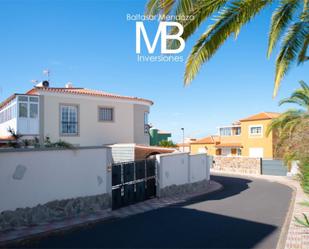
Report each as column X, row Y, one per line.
column 52, row 175
column 173, row 169
column 92, row 132
column 199, row 168
column 182, row 168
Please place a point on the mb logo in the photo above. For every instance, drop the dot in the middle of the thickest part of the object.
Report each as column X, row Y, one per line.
column 162, row 31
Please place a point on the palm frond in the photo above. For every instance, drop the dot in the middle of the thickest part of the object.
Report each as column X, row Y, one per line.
column 292, row 44
column 279, row 21
column 299, row 96
column 155, row 7
column 200, row 10
column 230, row 20
column 286, row 122
column 302, row 57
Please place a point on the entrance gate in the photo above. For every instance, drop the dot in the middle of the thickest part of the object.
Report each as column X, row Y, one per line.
column 133, row 182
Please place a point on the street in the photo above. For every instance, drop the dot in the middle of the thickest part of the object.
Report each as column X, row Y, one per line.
column 247, row 213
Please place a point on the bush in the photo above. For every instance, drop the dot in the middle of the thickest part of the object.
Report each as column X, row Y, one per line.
column 167, row 143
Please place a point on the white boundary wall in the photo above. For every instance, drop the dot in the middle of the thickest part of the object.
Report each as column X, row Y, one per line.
column 182, row 168
column 31, row 177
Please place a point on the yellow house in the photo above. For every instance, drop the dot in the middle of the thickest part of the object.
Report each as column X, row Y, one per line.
column 247, row 137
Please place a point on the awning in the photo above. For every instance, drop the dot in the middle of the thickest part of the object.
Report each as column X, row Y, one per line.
column 224, row 145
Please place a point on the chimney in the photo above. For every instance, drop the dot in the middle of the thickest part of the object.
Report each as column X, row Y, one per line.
column 69, row 85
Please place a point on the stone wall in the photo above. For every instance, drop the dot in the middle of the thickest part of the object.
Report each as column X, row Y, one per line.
column 242, row 165
column 53, row 211
column 174, row 190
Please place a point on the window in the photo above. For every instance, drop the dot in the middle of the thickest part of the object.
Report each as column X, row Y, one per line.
column 237, row 131
column 238, row 152
column 23, row 98
column 34, row 99
column 256, row 130
column 106, row 114
column 23, row 110
column 8, row 114
column 69, row 120
column 146, row 125
column 34, row 110
column 225, row 131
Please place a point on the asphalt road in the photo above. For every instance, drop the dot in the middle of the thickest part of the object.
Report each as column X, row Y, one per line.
column 247, row 213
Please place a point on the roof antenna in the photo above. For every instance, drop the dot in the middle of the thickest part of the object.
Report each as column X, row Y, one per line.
column 46, row 72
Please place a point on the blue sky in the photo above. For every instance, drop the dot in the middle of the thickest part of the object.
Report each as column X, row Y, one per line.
column 93, row 45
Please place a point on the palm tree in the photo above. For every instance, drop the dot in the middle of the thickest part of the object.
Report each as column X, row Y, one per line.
column 292, row 126
column 288, row 121
column 289, row 21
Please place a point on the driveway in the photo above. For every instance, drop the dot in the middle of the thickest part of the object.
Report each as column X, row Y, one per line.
column 247, row 213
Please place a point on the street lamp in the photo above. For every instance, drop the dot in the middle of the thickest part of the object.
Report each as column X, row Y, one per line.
column 183, row 139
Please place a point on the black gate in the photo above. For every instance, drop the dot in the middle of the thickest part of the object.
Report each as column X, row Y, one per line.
column 133, row 182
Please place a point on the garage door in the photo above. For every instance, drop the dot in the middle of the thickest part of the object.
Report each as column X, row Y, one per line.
column 256, row 152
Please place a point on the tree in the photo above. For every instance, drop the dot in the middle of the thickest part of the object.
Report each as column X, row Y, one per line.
column 167, row 143
column 292, row 128
column 289, row 21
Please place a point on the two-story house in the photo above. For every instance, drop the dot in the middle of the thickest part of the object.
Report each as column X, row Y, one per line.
column 246, row 137
column 79, row 116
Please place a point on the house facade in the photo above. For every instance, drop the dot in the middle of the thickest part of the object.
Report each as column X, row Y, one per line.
column 80, row 116
column 246, row 137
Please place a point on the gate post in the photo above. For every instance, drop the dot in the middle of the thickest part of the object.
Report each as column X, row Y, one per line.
column 109, row 162
column 261, row 166
column 158, row 174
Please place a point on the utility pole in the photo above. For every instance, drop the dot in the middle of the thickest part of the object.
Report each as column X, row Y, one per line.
column 183, row 139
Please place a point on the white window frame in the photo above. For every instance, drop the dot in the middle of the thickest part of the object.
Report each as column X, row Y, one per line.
column 256, row 134
column 225, row 128
column 77, row 122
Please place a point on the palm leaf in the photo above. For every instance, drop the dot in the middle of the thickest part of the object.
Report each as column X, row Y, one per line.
column 154, row 7
column 299, row 96
column 292, row 44
column 200, row 9
column 302, row 57
column 279, row 21
column 230, row 20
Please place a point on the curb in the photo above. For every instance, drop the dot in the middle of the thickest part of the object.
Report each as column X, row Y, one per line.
column 286, row 225
column 289, row 215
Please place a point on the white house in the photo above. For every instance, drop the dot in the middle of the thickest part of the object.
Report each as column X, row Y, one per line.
column 79, row 116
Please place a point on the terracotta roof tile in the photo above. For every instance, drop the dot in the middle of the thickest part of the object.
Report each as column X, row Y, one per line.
column 85, row 91
column 261, row 116
column 207, row 140
column 229, row 145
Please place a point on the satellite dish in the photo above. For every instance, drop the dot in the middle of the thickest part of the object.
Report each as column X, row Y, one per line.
column 45, row 83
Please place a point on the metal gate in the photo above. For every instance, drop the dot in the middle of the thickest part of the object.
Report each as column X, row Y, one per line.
column 273, row 167
column 133, row 182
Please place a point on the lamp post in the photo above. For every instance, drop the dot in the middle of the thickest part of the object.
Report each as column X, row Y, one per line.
column 183, row 139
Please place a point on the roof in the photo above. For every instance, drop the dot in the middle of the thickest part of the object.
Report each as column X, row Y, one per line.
column 261, row 116
column 207, row 140
column 229, row 145
column 7, row 101
column 85, row 92
column 6, row 138
column 164, row 132
column 183, row 145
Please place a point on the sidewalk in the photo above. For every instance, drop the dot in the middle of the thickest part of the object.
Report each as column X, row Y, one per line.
column 23, row 233
column 293, row 236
